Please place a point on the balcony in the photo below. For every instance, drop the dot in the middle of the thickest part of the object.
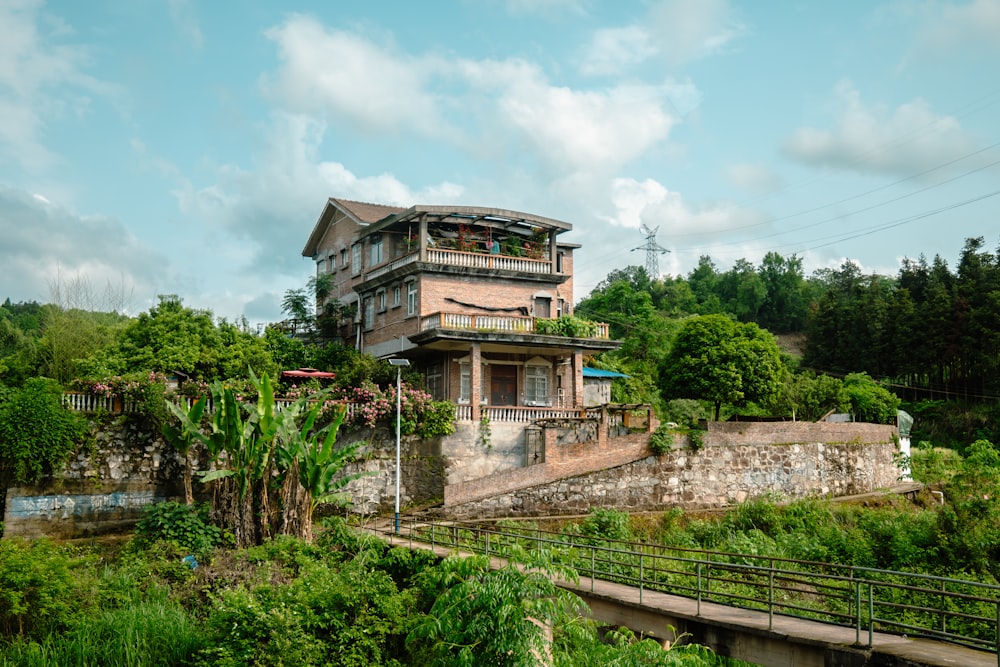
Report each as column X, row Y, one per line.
column 493, row 323
column 473, row 260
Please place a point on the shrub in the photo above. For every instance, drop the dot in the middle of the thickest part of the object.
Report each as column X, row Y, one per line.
column 37, row 434
column 661, row 441
column 607, row 524
column 185, row 526
column 40, row 588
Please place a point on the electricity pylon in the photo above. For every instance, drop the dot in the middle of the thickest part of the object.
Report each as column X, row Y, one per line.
column 653, row 249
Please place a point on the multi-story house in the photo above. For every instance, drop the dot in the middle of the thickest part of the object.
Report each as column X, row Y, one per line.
column 468, row 294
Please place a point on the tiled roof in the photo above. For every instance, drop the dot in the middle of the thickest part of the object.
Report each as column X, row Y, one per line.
column 367, row 212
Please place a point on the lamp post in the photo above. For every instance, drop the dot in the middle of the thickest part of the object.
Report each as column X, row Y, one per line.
column 398, row 363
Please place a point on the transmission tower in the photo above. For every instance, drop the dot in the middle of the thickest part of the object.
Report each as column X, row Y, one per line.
column 652, row 249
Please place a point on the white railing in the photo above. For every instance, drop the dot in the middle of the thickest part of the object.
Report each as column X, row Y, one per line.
column 492, row 322
column 511, row 413
column 394, row 264
column 477, row 260
column 81, row 402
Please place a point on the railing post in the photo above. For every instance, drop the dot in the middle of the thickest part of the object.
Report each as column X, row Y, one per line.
column 593, row 571
column 871, row 613
column 997, row 644
column 699, row 587
column 770, row 596
column 857, row 608
column 944, row 605
column 640, row 575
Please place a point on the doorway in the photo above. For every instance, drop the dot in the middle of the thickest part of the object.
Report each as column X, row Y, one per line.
column 503, row 385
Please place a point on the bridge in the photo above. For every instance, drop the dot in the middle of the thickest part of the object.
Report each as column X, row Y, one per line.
column 768, row 611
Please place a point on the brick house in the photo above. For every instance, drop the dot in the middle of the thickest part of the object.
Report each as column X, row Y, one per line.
column 459, row 291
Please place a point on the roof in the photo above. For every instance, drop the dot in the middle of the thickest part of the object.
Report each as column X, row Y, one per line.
column 598, row 373
column 307, row 373
column 362, row 213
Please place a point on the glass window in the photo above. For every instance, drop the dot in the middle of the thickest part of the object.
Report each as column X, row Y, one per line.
column 356, row 259
column 396, row 296
column 380, row 301
column 536, row 384
column 411, row 298
column 375, row 246
column 433, row 379
column 343, row 258
column 465, row 383
column 369, row 313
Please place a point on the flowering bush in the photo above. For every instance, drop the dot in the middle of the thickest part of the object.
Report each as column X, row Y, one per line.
column 419, row 413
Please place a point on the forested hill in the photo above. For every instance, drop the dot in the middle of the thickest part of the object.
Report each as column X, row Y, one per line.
column 930, row 331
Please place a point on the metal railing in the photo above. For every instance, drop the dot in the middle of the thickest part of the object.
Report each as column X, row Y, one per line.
column 503, row 324
column 868, row 600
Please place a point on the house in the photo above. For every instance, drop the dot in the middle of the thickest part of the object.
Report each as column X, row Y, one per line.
column 470, row 295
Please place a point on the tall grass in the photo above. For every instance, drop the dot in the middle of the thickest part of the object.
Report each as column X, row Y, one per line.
column 154, row 633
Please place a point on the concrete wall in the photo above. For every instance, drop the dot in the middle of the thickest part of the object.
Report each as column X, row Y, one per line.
column 738, row 462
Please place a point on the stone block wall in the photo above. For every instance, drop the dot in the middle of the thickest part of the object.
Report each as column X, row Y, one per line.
column 764, row 459
column 102, row 489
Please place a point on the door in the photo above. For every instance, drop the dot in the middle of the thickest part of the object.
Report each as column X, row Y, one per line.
column 503, row 385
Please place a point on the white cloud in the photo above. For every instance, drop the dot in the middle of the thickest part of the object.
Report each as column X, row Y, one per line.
column 40, row 79
column 684, row 31
column 506, row 109
column 326, row 71
column 753, row 178
column 43, row 240
column 906, row 140
column 649, row 202
column 269, row 211
column 948, row 28
column 616, row 49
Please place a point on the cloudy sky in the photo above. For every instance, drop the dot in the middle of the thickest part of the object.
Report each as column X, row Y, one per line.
column 183, row 147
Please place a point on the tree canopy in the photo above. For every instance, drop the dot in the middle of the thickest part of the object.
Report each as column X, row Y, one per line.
column 721, row 361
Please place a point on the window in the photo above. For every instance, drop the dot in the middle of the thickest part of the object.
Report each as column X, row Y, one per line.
column 343, row 258
column 320, row 269
column 411, row 298
column 380, row 301
column 375, row 247
column 368, row 320
column 536, row 385
column 396, row 296
column 331, row 262
column 465, row 383
column 433, row 380
column 543, row 307
column 355, row 259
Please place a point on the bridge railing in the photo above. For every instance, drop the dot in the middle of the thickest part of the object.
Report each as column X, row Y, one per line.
column 869, row 600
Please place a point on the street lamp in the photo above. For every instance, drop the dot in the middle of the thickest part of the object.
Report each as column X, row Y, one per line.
column 398, row 363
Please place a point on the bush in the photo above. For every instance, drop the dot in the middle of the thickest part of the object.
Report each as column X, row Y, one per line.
column 185, row 526
column 37, row 434
column 40, row 588
column 661, row 441
column 607, row 524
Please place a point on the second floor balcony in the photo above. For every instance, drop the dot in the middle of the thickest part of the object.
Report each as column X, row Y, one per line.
column 504, row 324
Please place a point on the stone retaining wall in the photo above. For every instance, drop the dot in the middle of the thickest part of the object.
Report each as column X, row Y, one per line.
column 788, row 460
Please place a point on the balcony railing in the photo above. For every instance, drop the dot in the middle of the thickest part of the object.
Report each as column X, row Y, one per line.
column 475, row 260
column 492, row 322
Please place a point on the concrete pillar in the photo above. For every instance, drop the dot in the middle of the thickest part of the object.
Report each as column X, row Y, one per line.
column 422, row 240
column 476, row 380
column 577, row 366
column 552, row 251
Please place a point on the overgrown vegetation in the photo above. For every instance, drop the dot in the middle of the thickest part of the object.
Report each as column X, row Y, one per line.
column 346, row 600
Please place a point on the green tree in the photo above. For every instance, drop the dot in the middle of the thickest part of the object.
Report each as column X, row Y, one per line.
column 870, row 402
column 721, row 361
column 37, row 434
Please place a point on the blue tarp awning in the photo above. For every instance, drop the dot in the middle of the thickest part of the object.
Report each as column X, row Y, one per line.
column 598, row 373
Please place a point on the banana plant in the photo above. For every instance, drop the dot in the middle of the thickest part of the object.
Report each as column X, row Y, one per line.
column 182, row 438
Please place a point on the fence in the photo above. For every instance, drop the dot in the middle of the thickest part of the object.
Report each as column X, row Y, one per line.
column 958, row 611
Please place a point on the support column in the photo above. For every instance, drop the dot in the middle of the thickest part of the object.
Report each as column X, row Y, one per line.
column 577, row 366
column 476, row 380
column 422, row 238
column 553, row 255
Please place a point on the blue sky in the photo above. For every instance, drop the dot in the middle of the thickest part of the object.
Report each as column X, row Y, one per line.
column 182, row 147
